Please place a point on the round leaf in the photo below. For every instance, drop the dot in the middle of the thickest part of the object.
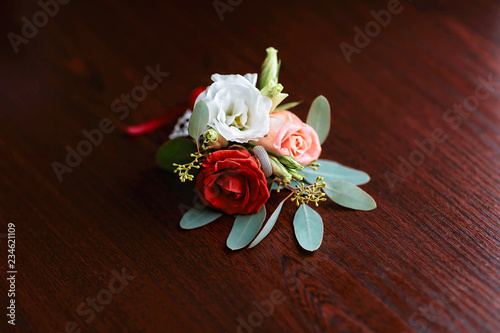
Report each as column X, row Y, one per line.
column 175, row 151
column 349, row 195
column 199, row 120
column 333, row 171
column 245, row 228
column 319, row 117
column 199, row 216
column 308, row 227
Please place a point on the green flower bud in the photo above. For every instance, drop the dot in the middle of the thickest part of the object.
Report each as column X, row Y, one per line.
column 296, row 175
column 273, row 91
column 270, row 68
column 290, row 162
column 212, row 140
column 279, row 170
column 210, row 135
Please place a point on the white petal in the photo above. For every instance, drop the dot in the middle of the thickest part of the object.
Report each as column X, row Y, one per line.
column 232, row 96
column 252, row 78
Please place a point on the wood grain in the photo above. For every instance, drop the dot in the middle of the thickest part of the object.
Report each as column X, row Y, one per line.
column 427, row 260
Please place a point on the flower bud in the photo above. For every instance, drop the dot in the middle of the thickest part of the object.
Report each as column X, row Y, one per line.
column 296, row 175
column 290, row 162
column 212, row 140
column 279, row 170
column 270, row 68
column 273, row 91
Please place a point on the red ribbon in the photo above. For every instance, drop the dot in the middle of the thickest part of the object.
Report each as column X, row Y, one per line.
column 156, row 123
column 171, row 115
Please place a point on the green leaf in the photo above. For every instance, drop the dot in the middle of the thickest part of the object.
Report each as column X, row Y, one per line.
column 319, row 117
column 199, row 120
column 333, row 171
column 349, row 195
column 287, row 106
column 199, row 216
column 268, row 226
column 175, row 151
column 308, row 227
column 245, row 228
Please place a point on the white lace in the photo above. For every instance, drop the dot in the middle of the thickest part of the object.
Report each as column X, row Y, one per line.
column 181, row 128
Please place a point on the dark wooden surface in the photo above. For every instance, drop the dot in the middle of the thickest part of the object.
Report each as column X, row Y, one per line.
column 427, row 260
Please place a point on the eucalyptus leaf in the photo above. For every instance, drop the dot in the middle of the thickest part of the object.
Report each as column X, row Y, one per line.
column 349, row 195
column 308, row 227
column 333, row 171
column 199, row 216
column 199, row 120
column 319, row 117
column 268, row 226
column 287, row 106
column 245, row 228
column 175, row 151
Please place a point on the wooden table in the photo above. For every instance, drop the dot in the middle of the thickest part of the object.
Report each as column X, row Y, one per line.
column 415, row 100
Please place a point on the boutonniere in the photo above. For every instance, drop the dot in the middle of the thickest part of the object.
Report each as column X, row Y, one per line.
column 239, row 144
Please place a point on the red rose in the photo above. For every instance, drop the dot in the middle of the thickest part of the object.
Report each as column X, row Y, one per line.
column 231, row 181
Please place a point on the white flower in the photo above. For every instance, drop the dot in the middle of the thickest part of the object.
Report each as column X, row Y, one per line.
column 237, row 109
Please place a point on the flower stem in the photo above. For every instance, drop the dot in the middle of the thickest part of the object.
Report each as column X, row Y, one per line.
column 268, row 151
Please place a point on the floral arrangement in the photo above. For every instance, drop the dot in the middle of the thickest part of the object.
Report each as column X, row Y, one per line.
column 239, row 144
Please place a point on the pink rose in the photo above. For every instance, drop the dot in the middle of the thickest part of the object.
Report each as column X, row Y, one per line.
column 288, row 135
